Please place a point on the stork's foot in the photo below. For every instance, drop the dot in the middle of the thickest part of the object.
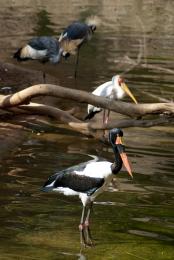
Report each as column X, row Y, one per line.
column 88, row 234
column 85, row 235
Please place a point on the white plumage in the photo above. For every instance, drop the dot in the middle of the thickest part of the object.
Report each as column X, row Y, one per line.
column 115, row 89
column 110, row 89
column 31, row 53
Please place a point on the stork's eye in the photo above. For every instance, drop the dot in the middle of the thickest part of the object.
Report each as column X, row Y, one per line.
column 120, row 81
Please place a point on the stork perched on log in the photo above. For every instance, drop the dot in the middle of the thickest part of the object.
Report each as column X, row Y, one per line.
column 114, row 89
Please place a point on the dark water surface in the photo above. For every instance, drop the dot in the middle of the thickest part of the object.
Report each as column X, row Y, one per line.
column 134, row 221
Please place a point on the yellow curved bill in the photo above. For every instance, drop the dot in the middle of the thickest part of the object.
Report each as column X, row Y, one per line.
column 128, row 92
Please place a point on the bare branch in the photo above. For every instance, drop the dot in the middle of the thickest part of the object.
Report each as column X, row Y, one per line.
column 46, row 110
column 128, row 109
column 93, row 128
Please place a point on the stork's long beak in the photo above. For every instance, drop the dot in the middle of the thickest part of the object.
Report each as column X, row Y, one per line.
column 121, row 149
column 127, row 90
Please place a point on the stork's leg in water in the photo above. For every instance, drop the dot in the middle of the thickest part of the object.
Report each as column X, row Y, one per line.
column 77, row 62
column 81, row 227
column 87, row 229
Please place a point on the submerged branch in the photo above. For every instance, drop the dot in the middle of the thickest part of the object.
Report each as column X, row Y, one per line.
column 93, row 127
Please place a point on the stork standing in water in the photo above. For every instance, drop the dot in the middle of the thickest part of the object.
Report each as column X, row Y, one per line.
column 115, row 89
column 89, row 179
column 75, row 35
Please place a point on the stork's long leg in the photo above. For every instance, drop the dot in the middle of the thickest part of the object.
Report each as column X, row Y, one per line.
column 107, row 117
column 104, row 114
column 81, row 227
column 105, row 120
column 88, row 232
column 77, row 62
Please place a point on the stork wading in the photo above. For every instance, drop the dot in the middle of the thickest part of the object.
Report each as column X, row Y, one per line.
column 89, row 179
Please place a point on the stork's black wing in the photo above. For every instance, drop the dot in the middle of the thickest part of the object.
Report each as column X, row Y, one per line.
column 78, row 167
column 79, row 183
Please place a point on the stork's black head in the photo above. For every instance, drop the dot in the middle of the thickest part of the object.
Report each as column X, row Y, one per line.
column 113, row 134
column 115, row 138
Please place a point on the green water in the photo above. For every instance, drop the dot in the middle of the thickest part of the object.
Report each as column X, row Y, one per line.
column 134, row 220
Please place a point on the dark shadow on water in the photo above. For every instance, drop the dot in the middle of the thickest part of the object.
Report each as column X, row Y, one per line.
column 44, row 26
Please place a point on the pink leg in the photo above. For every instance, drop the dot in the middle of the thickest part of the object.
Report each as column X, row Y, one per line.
column 105, row 120
column 81, row 228
column 88, row 232
column 107, row 117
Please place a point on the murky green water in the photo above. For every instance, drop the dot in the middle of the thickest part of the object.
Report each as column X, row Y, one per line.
column 133, row 222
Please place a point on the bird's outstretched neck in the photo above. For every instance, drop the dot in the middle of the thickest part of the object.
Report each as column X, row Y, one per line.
column 117, row 165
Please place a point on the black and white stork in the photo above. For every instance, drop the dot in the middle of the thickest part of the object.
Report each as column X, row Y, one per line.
column 89, row 179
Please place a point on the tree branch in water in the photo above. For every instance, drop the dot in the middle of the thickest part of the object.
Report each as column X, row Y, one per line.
column 132, row 110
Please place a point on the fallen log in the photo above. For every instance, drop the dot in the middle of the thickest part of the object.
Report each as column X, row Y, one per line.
column 132, row 110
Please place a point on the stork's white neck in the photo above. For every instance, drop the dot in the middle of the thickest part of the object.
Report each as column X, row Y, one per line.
column 117, row 88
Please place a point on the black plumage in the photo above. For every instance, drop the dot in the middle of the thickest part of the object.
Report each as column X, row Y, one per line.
column 79, row 183
column 91, row 115
column 67, row 178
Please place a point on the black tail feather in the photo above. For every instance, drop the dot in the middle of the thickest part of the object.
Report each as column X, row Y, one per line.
column 91, row 115
column 46, row 189
column 17, row 55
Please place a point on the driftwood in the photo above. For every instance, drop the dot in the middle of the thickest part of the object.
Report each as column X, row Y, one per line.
column 20, row 103
column 24, row 97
